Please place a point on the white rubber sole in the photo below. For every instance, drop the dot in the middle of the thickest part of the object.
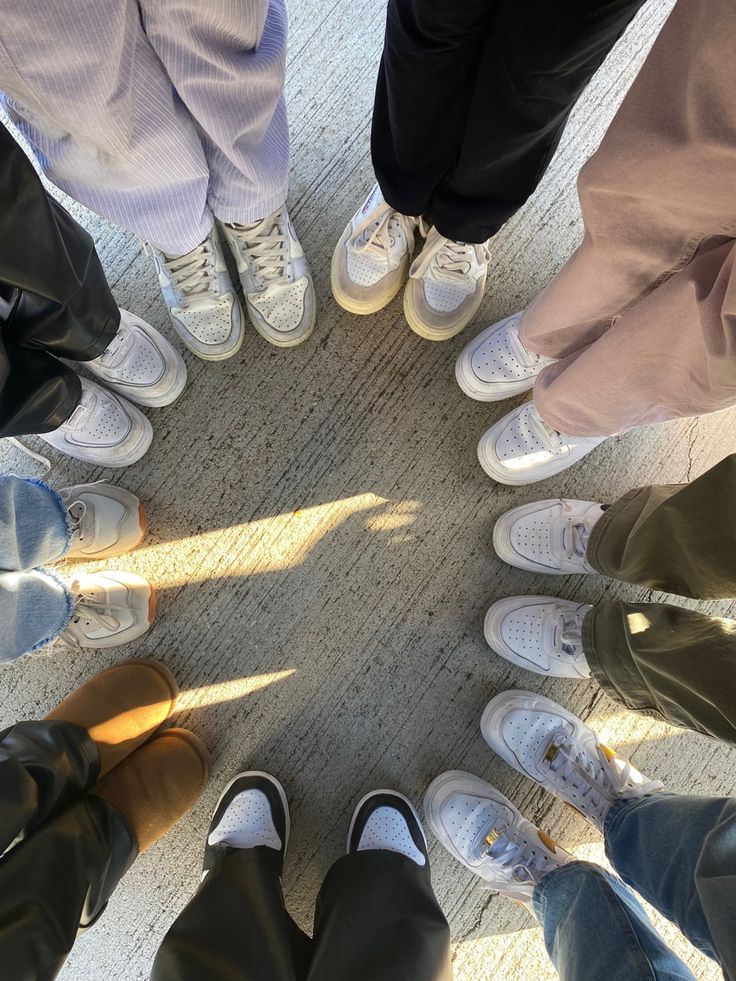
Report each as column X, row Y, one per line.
column 392, row 793
column 132, row 455
column 433, row 333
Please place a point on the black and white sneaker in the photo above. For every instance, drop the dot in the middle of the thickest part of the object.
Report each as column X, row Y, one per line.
column 386, row 820
column 252, row 811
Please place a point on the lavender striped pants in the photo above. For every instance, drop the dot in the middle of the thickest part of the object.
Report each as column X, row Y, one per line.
column 157, row 114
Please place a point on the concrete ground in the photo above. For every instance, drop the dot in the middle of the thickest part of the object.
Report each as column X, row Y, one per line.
column 320, row 540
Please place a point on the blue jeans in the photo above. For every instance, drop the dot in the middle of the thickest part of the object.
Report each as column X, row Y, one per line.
column 35, row 605
column 679, row 853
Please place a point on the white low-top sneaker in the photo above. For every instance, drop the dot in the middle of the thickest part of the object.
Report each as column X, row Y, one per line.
column 371, row 261
column 140, row 364
column 385, row 820
column 110, row 608
column 539, row 633
column 551, row 746
column 446, row 285
column 485, row 832
column 495, row 365
column 201, row 299
column 548, row 536
column 275, row 276
column 522, row 449
column 104, row 520
column 104, row 429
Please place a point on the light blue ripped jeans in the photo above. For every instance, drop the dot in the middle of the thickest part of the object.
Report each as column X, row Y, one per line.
column 35, row 604
column 679, row 853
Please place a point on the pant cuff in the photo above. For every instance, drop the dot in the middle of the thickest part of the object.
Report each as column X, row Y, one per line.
column 597, row 542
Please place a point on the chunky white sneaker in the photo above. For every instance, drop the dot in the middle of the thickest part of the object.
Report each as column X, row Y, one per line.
column 548, row 536
column 277, row 283
column 105, row 520
column 387, row 821
column 252, row 812
column 485, row 832
column 522, row 449
column 496, row 365
column 445, row 288
column 201, row 298
column 371, row 261
column 110, row 608
column 539, row 633
column 104, row 429
column 140, row 364
column 550, row 745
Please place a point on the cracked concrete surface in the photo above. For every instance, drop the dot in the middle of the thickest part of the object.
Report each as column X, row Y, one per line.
column 320, row 540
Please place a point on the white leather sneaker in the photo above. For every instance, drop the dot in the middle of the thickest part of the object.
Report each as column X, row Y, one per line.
column 110, row 608
column 551, row 746
column 548, row 536
column 385, row 820
column 275, row 276
column 201, row 299
column 539, row 633
column 371, row 261
column 496, row 365
column 104, row 429
column 105, row 520
column 522, row 449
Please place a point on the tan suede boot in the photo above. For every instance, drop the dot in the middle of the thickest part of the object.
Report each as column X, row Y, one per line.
column 158, row 784
column 121, row 707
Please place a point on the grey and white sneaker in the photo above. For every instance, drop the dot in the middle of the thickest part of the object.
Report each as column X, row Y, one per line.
column 140, row 364
column 485, row 832
column 495, row 365
column 110, row 608
column 275, row 276
column 551, row 746
column 371, row 261
column 201, row 299
column 539, row 633
column 252, row 812
column 548, row 536
column 522, row 449
column 385, row 820
column 105, row 520
column 104, row 429
column 446, row 285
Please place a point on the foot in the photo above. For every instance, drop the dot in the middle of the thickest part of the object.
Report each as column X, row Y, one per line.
column 201, row 299
column 140, row 364
column 371, row 260
column 550, row 745
column 104, row 429
column 539, row 633
column 387, row 821
column 110, row 608
column 521, row 448
column 445, row 288
column 252, row 812
column 121, row 707
column 484, row 831
column 277, row 283
column 548, row 536
column 105, row 520
column 496, row 365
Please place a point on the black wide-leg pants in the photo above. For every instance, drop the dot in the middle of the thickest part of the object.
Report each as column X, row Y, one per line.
column 54, row 301
column 472, row 98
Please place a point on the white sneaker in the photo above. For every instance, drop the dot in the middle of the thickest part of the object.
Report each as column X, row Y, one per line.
column 539, row 633
column 551, row 746
column 110, row 608
column 496, row 365
column 446, row 286
column 140, row 364
column 277, row 283
column 385, row 820
column 371, row 261
column 522, row 449
column 105, row 520
column 547, row 536
column 201, row 298
column 485, row 832
column 104, row 429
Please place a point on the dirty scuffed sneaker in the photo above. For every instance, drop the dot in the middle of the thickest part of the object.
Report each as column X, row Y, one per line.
column 105, row 520
column 110, row 608
column 549, row 536
column 385, row 820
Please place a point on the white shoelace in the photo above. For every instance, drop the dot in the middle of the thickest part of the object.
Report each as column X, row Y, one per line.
column 575, row 535
column 265, row 247
column 375, row 235
column 193, row 274
column 568, row 633
column 449, row 261
column 511, row 850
